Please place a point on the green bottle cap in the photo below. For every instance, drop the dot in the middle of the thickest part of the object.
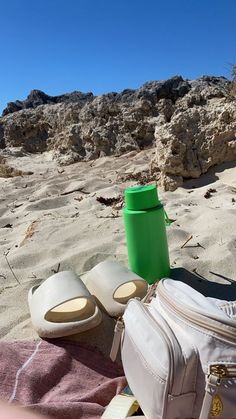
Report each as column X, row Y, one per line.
column 141, row 197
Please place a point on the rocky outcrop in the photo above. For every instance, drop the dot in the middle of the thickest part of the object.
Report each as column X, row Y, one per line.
column 37, row 98
column 192, row 124
column 200, row 134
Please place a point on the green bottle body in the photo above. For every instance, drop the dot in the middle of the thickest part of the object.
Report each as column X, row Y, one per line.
column 147, row 242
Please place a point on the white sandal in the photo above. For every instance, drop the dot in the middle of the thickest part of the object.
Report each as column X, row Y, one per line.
column 62, row 306
column 113, row 285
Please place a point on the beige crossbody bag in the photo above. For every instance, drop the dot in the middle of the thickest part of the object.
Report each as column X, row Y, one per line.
column 179, row 353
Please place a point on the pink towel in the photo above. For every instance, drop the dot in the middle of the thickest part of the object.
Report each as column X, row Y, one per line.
column 62, row 379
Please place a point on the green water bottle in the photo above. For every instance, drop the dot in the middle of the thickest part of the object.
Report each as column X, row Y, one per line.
column 145, row 229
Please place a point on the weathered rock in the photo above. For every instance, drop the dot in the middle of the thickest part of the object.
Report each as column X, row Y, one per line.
column 192, row 124
column 37, row 98
column 2, row 138
column 200, row 134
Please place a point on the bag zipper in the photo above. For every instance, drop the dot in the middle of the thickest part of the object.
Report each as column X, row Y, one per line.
column 212, row 404
column 194, row 317
column 222, row 371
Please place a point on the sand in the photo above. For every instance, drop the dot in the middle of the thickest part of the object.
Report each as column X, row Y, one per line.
column 52, row 220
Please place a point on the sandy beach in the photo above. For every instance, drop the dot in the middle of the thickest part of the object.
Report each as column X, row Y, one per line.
column 54, row 220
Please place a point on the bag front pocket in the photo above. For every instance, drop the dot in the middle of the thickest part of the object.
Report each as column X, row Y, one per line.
column 152, row 360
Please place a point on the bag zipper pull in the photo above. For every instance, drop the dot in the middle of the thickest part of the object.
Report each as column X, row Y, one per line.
column 213, row 381
column 117, row 338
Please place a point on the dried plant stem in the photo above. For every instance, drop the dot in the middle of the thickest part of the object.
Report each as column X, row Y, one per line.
column 17, row 280
column 190, row 237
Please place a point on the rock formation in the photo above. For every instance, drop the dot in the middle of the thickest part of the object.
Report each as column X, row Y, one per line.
column 201, row 133
column 192, row 124
column 37, row 98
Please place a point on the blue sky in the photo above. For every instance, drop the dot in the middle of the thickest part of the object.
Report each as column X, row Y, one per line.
column 107, row 45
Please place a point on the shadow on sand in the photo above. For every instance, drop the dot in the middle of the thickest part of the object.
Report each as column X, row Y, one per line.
column 204, row 286
column 209, row 177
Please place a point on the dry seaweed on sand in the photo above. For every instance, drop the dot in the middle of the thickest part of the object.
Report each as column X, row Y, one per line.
column 209, row 193
column 30, row 231
column 109, row 201
column 142, row 177
column 7, row 171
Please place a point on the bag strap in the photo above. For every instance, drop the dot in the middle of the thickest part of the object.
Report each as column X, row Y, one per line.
column 212, row 382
